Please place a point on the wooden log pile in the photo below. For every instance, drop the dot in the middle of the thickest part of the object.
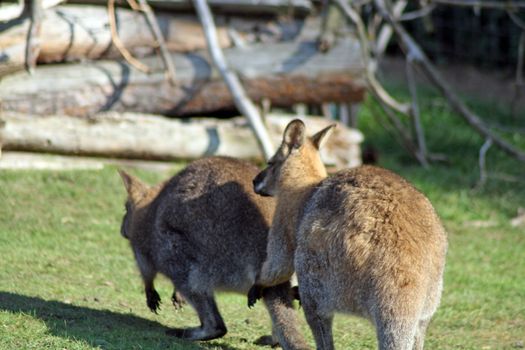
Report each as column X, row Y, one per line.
column 80, row 72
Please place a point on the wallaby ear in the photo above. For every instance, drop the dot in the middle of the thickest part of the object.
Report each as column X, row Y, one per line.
column 126, row 179
column 294, row 134
column 320, row 137
column 134, row 186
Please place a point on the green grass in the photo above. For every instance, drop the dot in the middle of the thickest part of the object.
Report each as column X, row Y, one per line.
column 68, row 280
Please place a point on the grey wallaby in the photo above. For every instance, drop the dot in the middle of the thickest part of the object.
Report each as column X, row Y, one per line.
column 363, row 241
column 206, row 230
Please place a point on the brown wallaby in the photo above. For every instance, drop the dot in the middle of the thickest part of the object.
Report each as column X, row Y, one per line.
column 362, row 241
column 206, row 230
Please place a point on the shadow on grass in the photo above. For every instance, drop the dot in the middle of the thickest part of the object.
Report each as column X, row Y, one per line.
column 99, row 328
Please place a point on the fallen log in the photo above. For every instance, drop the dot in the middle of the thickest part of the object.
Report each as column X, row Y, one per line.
column 256, row 7
column 151, row 137
column 74, row 32
column 283, row 73
column 45, row 161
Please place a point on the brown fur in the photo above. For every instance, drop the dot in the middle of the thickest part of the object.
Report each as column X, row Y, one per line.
column 363, row 241
column 206, row 230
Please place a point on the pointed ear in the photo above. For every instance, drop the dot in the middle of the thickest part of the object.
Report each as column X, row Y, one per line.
column 126, row 179
column 320, row 138
column 135, row 188
column 294, row 134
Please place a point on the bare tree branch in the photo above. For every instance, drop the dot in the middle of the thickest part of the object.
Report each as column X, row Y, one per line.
column 414, row 111
column 34, row 9
column 152, row 21
column 517, row 21
column 419, row 57
column 482, row 163
column 385, row 33
column 422, row 12
column 405, row 137
column 372, row 81
column 241, row 99
column 118, row 43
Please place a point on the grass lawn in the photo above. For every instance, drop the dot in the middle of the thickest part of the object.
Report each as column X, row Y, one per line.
column 68, row 280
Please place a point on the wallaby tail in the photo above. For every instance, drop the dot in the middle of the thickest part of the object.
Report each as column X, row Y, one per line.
column 278, row 301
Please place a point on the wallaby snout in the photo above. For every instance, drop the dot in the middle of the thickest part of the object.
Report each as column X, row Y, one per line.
column 259, row 185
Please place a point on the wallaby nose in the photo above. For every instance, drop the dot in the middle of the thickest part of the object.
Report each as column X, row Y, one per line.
column 258, row 185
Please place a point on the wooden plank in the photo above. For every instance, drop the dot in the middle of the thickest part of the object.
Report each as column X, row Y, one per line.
column 283, row 73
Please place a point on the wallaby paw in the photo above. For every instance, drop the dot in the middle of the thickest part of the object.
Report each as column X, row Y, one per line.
column 153, row 300
column 266, row 340
column 177, row 300
column 255, row 293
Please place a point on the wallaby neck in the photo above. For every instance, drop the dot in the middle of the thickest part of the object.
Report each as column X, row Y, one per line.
column 290, row 202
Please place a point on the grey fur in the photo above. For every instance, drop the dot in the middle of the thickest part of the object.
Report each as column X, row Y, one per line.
column 206, row 230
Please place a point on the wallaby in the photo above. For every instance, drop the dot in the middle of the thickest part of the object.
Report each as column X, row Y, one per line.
column 363, row 241
column 206, row 230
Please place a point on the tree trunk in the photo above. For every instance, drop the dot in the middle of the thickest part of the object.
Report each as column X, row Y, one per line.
column 283, row 73
column 152, row 137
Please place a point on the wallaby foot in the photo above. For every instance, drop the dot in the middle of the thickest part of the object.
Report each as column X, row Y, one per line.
column 212, row 325
column 266, row 340
column 177, row 300
column 152, row 299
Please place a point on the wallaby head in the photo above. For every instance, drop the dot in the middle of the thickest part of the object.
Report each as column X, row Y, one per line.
column 296, row 163
column 139, row 196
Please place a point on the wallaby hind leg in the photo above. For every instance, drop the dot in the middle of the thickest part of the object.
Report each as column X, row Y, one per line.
column 420, row 334
column 321, row 325
column 212, row 325
column 279, row 302
column 395, row 334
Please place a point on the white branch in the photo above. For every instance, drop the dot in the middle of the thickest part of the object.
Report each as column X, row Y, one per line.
column 154, row 25
column 372, row 81
column 241, row 99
